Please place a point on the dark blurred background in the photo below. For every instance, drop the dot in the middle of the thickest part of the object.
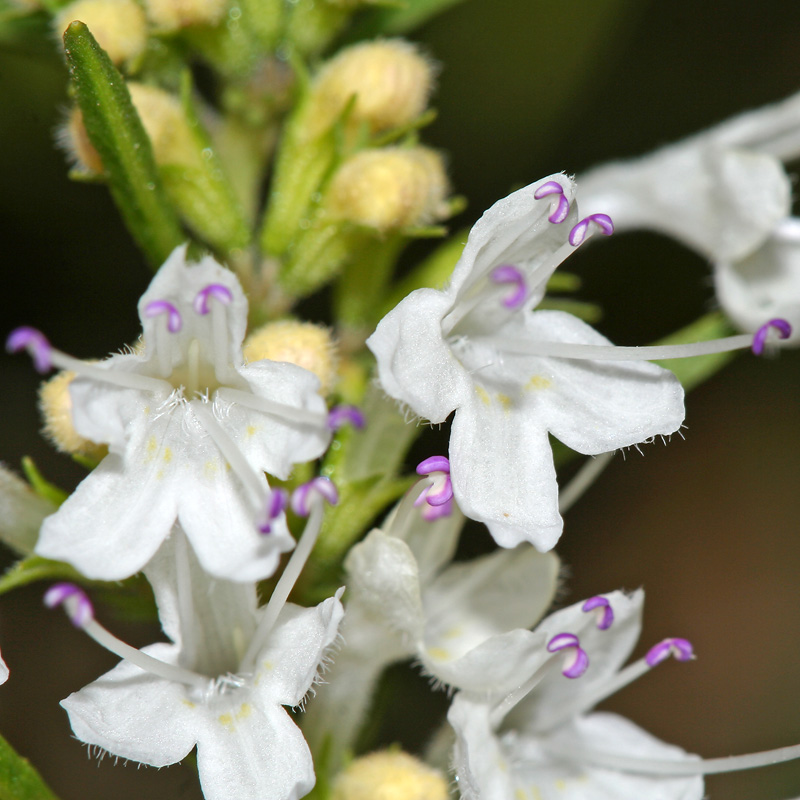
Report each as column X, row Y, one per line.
column 708, row 525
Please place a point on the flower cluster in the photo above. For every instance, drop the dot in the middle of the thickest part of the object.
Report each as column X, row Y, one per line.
column 231, row 420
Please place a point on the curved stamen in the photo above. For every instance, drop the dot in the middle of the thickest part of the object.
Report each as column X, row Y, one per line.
column 508, row 273
column 577, row 661
column 79, row 609
column 35, row 343
column 346, row 415
column 158, row 307
column 289, row 414
column 39, row 348
column 600, row 222
column 681, row 649
column 687, row 767
column 605, row 614
column 560, row 208
column 75, row 600
column 319, row 487
column 783, row 328
column 216, row 290
column 321, row 490
column 276, row 505
column 438, row 495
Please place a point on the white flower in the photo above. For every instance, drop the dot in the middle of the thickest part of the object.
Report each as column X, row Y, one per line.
column 191, row 431
column 724, row 193
column 539, row 741
column 406, row 599
column 512, row 375
column 220, row 686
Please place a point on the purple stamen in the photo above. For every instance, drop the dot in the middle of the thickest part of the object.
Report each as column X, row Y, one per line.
column 302, row 495
column 278, row 501
column 439, row 494
column 508, row 273
column 680, row 649
column 157, row 307
column 760, row 338
column 346, row 415
column 80, row 612
column 217, row 291
column 35, row 342
column 561, row 210
column 603, row 222
column 576, row 662
column 605, row 614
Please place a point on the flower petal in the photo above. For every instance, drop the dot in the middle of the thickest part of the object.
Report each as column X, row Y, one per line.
column 133, row 714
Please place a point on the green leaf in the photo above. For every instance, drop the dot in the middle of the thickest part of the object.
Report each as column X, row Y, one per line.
column 116, row 132
column 392, row 21
column 36, row 568
column 18, row 779
column 693, row 371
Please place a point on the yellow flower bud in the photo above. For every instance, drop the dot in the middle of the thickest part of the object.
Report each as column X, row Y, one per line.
column 390, row 80
column 55, row 405
column 390, row 188
column 171, row 15
column 72, row 136
column 164, row 121
column 119, row 26
column 389, row 775
column 303, row 343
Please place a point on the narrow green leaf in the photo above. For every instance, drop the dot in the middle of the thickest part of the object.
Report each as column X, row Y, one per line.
column 392, row 21
column 116, row 131
column 36, row 568
column 18, row 779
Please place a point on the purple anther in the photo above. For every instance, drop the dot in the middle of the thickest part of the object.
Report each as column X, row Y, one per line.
column 276, row 505
column 303, row 495
column 605, row 614
column 35, row 342
column 576, row 662
column 345, row 415
column 760, row 338
column 602, row 221
column 561, row 210
column 79, row 611
column 680, row 649
column 217, row 291
column 440, row 491
column 157, row 307
column 508, row 273
column 432, row 512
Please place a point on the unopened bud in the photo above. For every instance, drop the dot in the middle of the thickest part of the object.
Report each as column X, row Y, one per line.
column 303, row 343
column 171, row 15
column 389, row 775
column 119, row 26
column 390, row 188
column 390, row 80
column 55, row 405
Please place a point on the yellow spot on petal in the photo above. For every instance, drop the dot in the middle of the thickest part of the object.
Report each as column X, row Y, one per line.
column 251, row 429
column 535, row 793
column 484, row 395
column 151, row 447
column 267, row 665
column 188, row 703
column 160, row 475
column 226, row 720
column 561, row 785
column 245, row 710
column 210, row 469
column 519, row 794
column 453, row 633
column 438, row 653
column 167, row 455
column 538, row 382
column 505, row 401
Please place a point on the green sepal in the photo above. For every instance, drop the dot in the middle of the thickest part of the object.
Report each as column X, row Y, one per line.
column 18, row 779
column 35, row 568
column 393, row 21
column 116, row 131
column 46, row 490
column 691, row 372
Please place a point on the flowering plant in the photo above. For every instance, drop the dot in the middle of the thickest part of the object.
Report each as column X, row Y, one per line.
column 264, row 489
